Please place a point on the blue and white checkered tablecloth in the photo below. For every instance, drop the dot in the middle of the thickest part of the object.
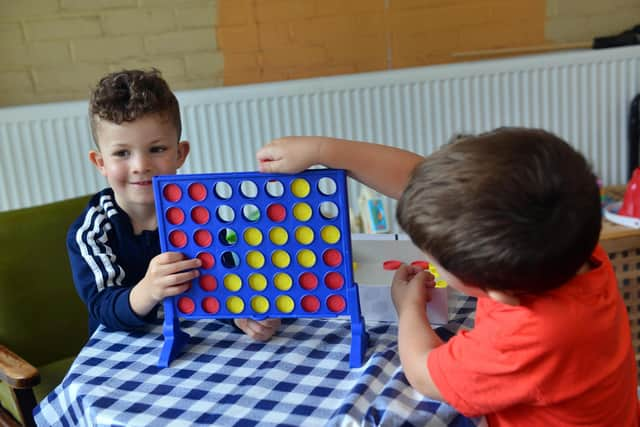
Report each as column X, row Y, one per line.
column 301, row 377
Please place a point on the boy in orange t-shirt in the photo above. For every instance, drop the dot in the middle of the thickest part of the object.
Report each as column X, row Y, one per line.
column 513, row 218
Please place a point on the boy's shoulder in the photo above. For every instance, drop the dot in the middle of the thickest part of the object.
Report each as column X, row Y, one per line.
column 100, row 206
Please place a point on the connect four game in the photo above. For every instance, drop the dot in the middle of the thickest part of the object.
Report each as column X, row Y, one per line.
column 271, row 245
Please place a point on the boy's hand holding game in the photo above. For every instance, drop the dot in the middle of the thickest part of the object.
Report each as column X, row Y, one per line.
column 289, row 154
column 169, row 274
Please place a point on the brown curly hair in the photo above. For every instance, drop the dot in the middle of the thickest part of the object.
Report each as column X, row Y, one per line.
column 125, row 96
column 514, row 209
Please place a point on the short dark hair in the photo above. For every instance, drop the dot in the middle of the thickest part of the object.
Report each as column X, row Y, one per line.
column 514, row 209
column 127, row 95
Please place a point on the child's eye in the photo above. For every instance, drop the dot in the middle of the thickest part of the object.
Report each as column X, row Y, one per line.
column 158, row 149
column 121, row 153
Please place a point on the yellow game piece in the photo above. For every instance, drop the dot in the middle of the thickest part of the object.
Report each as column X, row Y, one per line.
column 257, row 282
column 441, row 284
column 282, row 281
column 354, row 266
column 300, row 187
column 304, row 235
column 433, row 271
column 232, row 282
column 278, row 236
column 280, row 259
column 235, row 305
column 330, row 234
column 253, row 236
column 255, row 259
column 259, row 304
column 306, row 258
column 284, row 304
column 302, row 212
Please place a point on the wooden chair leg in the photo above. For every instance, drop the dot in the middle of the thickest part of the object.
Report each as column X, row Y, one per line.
column 26, row 402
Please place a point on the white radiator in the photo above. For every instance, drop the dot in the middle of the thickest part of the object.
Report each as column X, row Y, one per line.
column 582, row 96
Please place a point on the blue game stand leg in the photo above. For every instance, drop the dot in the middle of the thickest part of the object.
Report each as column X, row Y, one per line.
column 174, row 337
column 359, row 335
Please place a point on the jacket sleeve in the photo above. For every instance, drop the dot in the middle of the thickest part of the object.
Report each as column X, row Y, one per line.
column 98, row 277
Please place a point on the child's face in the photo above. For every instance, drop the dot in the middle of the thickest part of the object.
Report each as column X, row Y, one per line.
column 133, row 152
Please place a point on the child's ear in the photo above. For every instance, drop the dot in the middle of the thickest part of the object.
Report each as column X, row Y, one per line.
column 96, row 158
column 183, row 152
column 504, row 297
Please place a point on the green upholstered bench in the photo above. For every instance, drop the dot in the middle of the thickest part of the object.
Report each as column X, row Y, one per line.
column 43, row 323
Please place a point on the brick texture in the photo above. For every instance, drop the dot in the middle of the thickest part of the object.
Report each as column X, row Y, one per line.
column 55, row 50
column 283, row 39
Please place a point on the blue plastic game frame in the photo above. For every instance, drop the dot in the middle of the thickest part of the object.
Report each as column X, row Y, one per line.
column 179, row 197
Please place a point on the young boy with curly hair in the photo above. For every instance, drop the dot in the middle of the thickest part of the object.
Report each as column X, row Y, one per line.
column 513, row 218
column 114, row 245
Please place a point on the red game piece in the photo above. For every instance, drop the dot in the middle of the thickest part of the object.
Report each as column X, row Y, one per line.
column 334, row 280
column 392, row 264
column 336, row 303
column 422, row 264
column 203, row 238
column 210, row 305
column 197, row 192
column 172, row 193
column 308, row 281
column 332, row 257
column 310, row 303
column 175, row 216
column 200, row 215
column 178, row 238
column 207, row 260
column 186, row 305
column 208, row 283
column 276, row 212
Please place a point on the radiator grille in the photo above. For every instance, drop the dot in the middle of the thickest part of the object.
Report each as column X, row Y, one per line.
column 582, row 96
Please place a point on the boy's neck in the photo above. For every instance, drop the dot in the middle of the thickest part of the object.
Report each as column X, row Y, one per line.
column 147, row 224
column 586, row 267
column 142, row 216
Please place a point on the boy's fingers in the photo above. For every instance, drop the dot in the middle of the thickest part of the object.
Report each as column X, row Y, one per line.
column 172, row 291
column 267, row 166
column 429, row 280
column 259, row 331
column 265, row 154
column 424, row 278
column 188, row 264
column 185, row 276
column 416, row 269
column 169, row 257
column 270, row 323
column 402, row 273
